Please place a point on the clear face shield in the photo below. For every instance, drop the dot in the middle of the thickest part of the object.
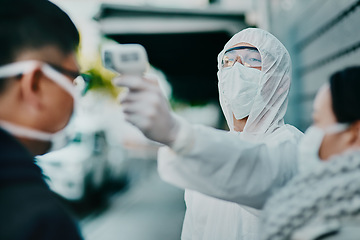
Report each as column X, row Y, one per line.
column 59, row 75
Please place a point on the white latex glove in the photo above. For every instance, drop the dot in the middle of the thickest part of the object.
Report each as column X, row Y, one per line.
column 146, row 107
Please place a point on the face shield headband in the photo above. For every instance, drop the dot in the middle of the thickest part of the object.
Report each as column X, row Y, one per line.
column 24, row 67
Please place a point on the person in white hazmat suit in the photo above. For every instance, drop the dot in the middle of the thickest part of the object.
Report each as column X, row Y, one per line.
column 243, row 167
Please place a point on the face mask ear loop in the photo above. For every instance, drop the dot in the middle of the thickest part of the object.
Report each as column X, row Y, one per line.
column 25, row 132
column 59, row 79
column 337, row 128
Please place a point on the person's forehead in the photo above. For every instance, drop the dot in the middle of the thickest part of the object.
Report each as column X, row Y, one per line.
column 322, row 97
column 323, row 112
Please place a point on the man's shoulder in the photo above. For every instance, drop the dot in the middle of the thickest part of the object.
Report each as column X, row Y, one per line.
column 32, row 197
column 34, row 209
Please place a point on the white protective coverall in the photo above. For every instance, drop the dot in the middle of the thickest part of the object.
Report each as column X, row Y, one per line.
column 242, row 168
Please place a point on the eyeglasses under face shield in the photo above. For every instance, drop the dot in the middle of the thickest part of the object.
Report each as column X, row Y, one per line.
column 248, row 56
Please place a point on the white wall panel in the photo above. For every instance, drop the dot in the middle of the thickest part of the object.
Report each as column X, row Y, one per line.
column 319, row 36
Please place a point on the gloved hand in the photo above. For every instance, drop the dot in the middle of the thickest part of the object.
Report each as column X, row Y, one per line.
column 146, row 107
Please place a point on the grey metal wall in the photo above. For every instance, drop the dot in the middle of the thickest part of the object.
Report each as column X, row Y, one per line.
column 322, row 36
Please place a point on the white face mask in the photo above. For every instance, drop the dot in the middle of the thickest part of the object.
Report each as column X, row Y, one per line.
column 310, row 145
column 24, row 67
column 239, row 86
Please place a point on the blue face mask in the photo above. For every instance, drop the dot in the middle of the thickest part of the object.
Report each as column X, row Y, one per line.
column 310, row 145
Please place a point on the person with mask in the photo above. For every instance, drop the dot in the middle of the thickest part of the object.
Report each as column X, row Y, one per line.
column 244, row 166
column 323, row 200
column 37, row 96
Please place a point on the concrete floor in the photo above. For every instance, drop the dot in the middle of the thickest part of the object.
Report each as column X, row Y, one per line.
column 149, row 209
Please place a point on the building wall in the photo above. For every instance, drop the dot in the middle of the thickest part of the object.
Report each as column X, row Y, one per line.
column 322, row 38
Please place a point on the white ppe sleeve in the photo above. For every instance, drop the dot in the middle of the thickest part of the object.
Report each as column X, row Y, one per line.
column 224, row 166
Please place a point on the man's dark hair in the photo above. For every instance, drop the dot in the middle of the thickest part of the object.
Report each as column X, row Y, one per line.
column 33, row 24
column 345, row 92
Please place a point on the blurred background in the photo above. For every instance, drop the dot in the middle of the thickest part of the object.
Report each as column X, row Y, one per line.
column 103, row 168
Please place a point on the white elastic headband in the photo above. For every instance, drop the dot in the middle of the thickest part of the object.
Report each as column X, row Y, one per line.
column 336, row 128
column 16, row 68
column 13, row 69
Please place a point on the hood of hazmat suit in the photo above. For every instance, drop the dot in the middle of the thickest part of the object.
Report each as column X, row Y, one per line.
column 241, row 168
column 270, row 103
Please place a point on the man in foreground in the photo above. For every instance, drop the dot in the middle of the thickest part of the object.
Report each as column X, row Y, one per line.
column 37, row 70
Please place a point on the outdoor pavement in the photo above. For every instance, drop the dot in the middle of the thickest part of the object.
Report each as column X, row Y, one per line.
column 148, row 209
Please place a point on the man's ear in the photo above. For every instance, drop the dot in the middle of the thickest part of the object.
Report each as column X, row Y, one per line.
column 355, row 131
column 30, row 87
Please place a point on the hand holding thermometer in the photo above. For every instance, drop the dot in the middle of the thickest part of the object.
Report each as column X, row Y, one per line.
column 143, row 104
